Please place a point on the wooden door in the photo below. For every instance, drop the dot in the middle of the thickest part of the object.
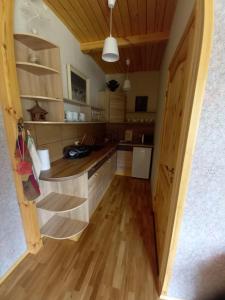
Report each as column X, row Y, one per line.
column 171, row 133
column 181, row 115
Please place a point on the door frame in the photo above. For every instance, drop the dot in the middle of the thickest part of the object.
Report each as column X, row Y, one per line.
column 11, row 108
column 203, row 14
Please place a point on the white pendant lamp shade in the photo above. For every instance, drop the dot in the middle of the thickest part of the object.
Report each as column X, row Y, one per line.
column 126, row 85
column 110, row 51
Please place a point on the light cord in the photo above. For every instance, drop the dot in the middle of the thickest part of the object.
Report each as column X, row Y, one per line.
column 110, row 22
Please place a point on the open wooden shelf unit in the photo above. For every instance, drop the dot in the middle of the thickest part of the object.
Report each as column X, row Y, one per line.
column 56, row 202
column 39, row 81
column 63, row 228
column 36, row 69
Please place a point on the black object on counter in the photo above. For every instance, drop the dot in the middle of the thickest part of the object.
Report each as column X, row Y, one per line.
column 76, row 151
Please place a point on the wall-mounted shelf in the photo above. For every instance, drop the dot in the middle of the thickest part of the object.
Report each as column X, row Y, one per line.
column 65, row 123
column 39, row 82
column 63, row 228
column 60, row 203
column 75, row 102
column 40, row 98
column 35, row 68
column 141, row 112
column 97, row 108
column 33, row 41
column 133, row 123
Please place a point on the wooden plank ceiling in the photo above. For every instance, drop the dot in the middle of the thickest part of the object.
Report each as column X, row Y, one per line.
column 141, row 26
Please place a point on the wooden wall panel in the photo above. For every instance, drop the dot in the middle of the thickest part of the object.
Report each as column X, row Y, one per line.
column 89, row 21
column 56, row 137
column 117, row 131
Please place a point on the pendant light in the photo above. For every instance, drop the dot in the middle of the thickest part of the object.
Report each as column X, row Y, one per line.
column 110, row 50
column 127, row 84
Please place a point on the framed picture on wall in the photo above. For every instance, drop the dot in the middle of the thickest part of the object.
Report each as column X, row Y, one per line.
column 78, row 85
column 141, row 103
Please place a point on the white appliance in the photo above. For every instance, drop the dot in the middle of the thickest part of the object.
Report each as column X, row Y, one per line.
column 141, row 162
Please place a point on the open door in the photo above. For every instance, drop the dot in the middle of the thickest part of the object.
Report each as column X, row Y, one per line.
column 10, row 105
column 186, row 79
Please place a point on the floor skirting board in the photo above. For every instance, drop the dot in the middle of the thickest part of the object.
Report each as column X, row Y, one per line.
column 12, row 268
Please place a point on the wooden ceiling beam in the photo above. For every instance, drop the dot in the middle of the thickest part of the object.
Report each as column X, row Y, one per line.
column 134, row 40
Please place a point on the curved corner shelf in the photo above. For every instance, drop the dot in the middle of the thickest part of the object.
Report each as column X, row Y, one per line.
column 33, row 41
column 60, row 203
column 36, row 68
column 40, row 98
column 61, row 228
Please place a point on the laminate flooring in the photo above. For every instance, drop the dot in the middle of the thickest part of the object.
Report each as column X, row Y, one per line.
column 113, row 260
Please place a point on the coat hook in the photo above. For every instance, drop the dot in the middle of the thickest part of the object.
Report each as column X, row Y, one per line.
column 20, row 124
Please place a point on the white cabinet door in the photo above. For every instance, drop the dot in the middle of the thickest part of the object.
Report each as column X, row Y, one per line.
column 141, row 162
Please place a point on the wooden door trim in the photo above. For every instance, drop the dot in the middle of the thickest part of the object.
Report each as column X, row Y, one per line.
column 203, row 14
column 10, row 106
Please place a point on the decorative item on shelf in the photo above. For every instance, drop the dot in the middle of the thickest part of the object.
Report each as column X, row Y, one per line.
column 127, row 84
column 37, row 112
column 112, row 85
column 34, row 58
column 110, row 51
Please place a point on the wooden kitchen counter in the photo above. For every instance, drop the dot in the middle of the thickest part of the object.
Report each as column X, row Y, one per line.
column 66, row 169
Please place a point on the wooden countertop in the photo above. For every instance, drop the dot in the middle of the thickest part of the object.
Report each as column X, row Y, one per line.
column 66, row 169
column 136, row 145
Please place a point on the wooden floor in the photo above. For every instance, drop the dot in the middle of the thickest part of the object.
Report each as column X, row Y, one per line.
column 114, row 258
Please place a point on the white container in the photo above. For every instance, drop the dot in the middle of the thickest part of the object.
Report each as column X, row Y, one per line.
column 44, row 158
column 69, row 115
column 82, row 117
column 75, row 116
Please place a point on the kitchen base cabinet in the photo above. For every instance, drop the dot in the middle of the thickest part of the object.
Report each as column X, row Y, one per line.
column 99, row 182
column 124, row 162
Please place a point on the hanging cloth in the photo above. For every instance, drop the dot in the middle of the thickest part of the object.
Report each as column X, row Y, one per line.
column 25, row 167
column 34, row 156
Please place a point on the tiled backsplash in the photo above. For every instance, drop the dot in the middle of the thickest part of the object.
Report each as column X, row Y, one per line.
column 117, row 131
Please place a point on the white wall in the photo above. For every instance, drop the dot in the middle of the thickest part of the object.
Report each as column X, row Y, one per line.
column 199, row 269
column 55, row 31
column 142, row 84
column 182, row 13
column 12, row 240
